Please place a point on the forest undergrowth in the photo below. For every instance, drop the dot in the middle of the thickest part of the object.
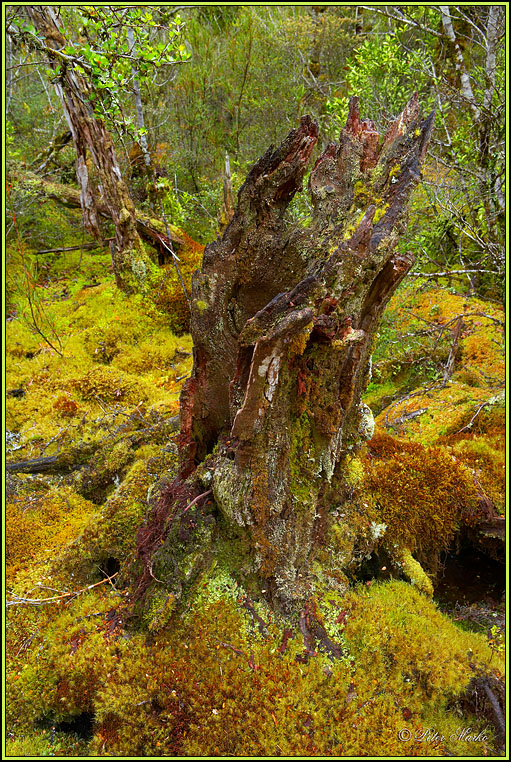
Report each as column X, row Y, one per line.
column 91, row 437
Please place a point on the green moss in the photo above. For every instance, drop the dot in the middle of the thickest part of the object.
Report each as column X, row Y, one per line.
column 414, row 571
column 201, row 305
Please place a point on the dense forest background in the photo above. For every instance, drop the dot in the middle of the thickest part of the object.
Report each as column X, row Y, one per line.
column 247, row 74
column 190, row 97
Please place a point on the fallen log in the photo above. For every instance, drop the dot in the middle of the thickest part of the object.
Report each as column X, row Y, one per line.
column 52, row 464
column 151, row 229
column 79, row 455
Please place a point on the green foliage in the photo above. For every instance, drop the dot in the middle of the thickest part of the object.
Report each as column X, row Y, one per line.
column 381, row 74
column 98, row 47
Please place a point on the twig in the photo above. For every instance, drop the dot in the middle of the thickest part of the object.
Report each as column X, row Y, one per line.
column 40, row 601
column 469, row 424
column 92, row 245
column 209, row 491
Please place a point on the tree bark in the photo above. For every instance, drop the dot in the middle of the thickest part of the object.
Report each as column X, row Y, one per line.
column 132, row 267
column 227, row 212
column 283, row 321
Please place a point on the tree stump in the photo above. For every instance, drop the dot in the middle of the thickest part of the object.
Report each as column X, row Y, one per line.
column 284, row 318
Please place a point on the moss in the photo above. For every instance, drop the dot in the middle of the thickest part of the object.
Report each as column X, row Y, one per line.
column 201, row 305
column 408, row 359
column 110, row 533
column 422, row 494
column 214, row 684
column 414, row 571
column 354, row 470
column 184, row 556
column 230, row 492
column 39, row 525
column 43, row 742
column 167, row 292
column 380, row 211
column 124, row 215
column 297, row 344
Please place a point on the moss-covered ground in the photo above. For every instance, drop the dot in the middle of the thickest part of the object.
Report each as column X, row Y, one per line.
column 228, row 677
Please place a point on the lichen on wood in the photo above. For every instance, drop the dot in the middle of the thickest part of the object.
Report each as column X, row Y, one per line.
column 282, row 352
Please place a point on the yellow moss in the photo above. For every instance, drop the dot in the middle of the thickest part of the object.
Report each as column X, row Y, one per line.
column 213, row 685
column 354, row 470
column 379, row 213
column 39, row 525
column 201, row 305
column 297, row 344
column 414, row 571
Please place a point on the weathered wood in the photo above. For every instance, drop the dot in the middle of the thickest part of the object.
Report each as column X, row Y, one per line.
column 227, row 212
column 151, row 229
column 132, row 267
column 53, row 464
column 80, row 454
column 283, row 322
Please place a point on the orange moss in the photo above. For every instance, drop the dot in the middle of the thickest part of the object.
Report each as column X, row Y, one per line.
column 421, row 493
column 215, row 685
column 169, row 294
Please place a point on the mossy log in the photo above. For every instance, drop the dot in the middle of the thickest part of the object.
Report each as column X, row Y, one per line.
column 150, row 229
column 52, row 464
column 284, row 316
column 97, row 454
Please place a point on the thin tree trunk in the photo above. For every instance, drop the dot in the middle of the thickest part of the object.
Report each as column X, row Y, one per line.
column 466, row 86
column 132, row 267
column 315, row 96
column 283, row 323
column 482, row 117
column 139, row 110
column 227, row 212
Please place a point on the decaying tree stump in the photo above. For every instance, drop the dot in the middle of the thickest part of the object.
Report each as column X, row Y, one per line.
column 283, row 321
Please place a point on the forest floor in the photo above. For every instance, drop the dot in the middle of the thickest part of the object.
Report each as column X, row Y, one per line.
column 93, row 381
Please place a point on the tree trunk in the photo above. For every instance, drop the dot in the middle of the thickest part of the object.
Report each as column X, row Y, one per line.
column 142, row 141
column 315, row 96
column 227, row 212
column 132, row 267
column 283, row 321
